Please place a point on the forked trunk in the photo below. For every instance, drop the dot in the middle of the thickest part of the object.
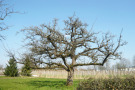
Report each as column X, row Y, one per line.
column 70, row 78
column 71, row 73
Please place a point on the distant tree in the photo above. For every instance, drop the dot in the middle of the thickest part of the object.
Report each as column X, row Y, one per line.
column 11, row 69
column 1, row 67
column 124, row 63
column 70, row 44
column 134, row 61
column 5, row 11
column 113, row 67
column 107, row 65
column 26, row 69
column 120, row 66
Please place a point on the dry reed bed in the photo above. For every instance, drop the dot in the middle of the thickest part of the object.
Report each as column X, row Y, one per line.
column 81, row 74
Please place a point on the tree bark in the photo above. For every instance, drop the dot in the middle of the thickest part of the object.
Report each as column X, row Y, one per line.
column 71, row 73
column 70, row 77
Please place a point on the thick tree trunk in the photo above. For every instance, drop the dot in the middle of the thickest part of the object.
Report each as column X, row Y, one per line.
column 71, row 73
column 70, row 78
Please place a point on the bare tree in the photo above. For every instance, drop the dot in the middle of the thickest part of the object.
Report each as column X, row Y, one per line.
column 5, row 11
column 108, row 65
column 64, row 48
column 134, row 61
column 1, row 67
column 123, row 64
column 120, row 66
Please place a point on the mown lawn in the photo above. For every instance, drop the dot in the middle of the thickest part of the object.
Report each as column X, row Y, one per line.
column 27, row 83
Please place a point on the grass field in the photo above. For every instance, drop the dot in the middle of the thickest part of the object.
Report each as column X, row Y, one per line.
column 55, row 80
column 27, row 83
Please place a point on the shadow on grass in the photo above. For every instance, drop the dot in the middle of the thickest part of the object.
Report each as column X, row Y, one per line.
column 47, row 83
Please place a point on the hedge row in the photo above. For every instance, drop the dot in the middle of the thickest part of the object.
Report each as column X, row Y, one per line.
column 116, row 83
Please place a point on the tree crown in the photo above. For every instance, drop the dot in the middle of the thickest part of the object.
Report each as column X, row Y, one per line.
column 73, row 41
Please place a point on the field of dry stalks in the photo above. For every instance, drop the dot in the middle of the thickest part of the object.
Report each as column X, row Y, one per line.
column 81, row 74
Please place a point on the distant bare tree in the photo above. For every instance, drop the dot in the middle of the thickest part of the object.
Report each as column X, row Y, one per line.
column 124, row 63
column 120, row 66
column 5, row 11
column 134, row 61
column 63, row 48
column 1, row 67
column 108, row 65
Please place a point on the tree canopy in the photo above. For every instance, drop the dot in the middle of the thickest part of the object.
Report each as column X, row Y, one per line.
column 11, row 69
column 69, row 44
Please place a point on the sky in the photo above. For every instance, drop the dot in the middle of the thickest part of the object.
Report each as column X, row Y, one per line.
column 106, row 16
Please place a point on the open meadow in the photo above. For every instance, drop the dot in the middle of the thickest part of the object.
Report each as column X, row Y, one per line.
column 55, row 79
column 28, row 83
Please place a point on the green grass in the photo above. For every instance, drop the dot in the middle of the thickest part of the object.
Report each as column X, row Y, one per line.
column 27, row 83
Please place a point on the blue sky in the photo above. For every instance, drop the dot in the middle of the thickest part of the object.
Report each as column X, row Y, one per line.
column 106, row 15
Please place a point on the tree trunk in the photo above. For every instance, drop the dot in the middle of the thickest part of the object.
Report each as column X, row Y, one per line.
column 71, row 73
column 70, row 78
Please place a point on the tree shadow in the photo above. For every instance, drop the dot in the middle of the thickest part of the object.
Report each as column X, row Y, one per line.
column 47, row 83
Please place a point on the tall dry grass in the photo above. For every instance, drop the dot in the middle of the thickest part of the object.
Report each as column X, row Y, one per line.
column 81, row 74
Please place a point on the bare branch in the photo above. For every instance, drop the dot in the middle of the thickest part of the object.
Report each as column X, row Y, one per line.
column 5, row 11
column 73, row 41
column 86, row 64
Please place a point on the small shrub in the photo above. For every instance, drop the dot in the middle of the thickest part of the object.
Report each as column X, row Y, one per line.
column 25, row 72
column 11, row 69
column 108, row 84
column 26, row 69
